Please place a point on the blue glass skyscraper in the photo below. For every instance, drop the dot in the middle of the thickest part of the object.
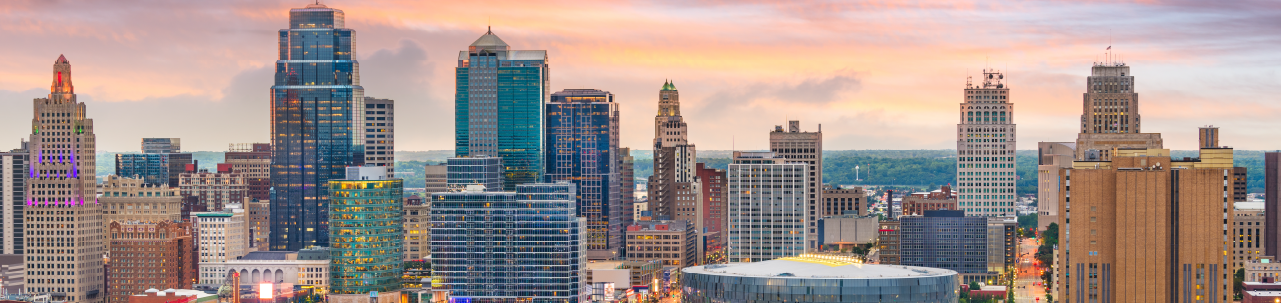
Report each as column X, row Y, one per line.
column 316, row 109
column 498, row 107
column 582, row 147
column 522, row 246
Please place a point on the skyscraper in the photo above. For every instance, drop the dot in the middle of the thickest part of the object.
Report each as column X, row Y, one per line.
column 627, row 184
column 582, row 147
column 1110, row 114
column 317, row 111
column 498, row 107
column 13, row 188
column 380, row 133
column 985, row 142
column 64, row 219
column 153, row 168
column 1272, row 202
column 805, row 147
column 767, row 207
column 674, row 157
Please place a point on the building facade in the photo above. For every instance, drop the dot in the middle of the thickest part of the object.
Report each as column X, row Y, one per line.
column 317, row 103
column 581, row 146
column 1247, row 236
column 366, row 233
column 1051, row 156
column 713, row 184
column 219, row 236
column 805, row 147
column 487, row 171
column 13, row 188
column 673, row 243
column 126, row 199
column 380, row 133
column 536, row 217
column 253, row 162
column 1272, row 202
column 889, row 240
column 436, row 177
column 161, row 145
column 843, row 201
column 152, row 168
column 259, row 222
column 919, row 203
column 1110, row 105
column 985, row 144
column 212, row 191
column 498, row 107
column 674, row 156
column 840, row 233
column 627, row 185
column 767, row 207
column 149, row 255
column 417, row 228
column 60, row 190
column 307, row 267
column 1178, row 242
column 945, row 239
column 817, row 278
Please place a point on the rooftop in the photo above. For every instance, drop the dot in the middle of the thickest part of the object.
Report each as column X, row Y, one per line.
column 818, row 267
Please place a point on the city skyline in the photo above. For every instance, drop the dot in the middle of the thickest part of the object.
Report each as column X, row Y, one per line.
column 897, row 78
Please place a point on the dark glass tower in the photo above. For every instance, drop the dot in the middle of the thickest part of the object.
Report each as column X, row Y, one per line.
column 582, row 147
column 316, row 107
column 498, row 107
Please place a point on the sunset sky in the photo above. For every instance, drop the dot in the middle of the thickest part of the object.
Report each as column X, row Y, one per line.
column 876, row 74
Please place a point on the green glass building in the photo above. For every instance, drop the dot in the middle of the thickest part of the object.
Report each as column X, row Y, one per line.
column 498, row 107
column 366, row 232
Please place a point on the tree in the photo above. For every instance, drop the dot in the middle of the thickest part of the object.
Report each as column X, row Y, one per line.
column 1237, row 279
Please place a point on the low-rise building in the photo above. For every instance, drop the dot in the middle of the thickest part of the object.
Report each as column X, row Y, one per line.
column 624, row 274
column 843, row 201
column 672, row 242
column 941, row 199
column 1265, row 267
column 838, row 233
column 173, row 296
column 888, row 238
column 307, row 267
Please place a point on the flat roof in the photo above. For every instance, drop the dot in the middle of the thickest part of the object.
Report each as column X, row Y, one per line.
column 604, row 264
column 800, row 268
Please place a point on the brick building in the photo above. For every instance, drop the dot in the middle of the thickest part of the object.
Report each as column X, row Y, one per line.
column 149, row 255
column 918, row 203
column 206, row 191
column 672, row 242
column 253, row 162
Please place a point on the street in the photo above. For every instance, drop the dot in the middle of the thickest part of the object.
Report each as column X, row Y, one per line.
column 1029, row 276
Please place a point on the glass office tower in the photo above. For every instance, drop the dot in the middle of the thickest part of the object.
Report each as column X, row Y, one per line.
column 487, row 171
column 498, row 107
column 366, row 232
column 523, row 246
column 153, row 168
column 317, row 105
column 582, row 147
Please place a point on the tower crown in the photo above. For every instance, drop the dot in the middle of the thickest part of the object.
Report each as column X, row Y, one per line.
column 61, row 77
column 489, row 41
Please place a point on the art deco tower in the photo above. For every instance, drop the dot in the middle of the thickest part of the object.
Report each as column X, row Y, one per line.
column 985, row 142
column 673, row 158
column 317, row 110
column 65, row 230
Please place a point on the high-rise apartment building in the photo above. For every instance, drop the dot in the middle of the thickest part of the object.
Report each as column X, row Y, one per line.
column 627, row 185
column 806, row 147
column 674, row 157
column 161, row 145
column 1142, row 227
column 482, row 170
column 582, row 147
column 1272, row 202
column 13, row 188
column 380, row 139
column 253, row 162
column 767, row 207
column 498, row 107
column 64, row 221
column 509, row 271
column 152, row 168
column 127, row 199
column 714, row 186
column 149, row 255
column 212, row 191
column 366, row 236
column 219, row 236
column 316, row 131
column 985, row 143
